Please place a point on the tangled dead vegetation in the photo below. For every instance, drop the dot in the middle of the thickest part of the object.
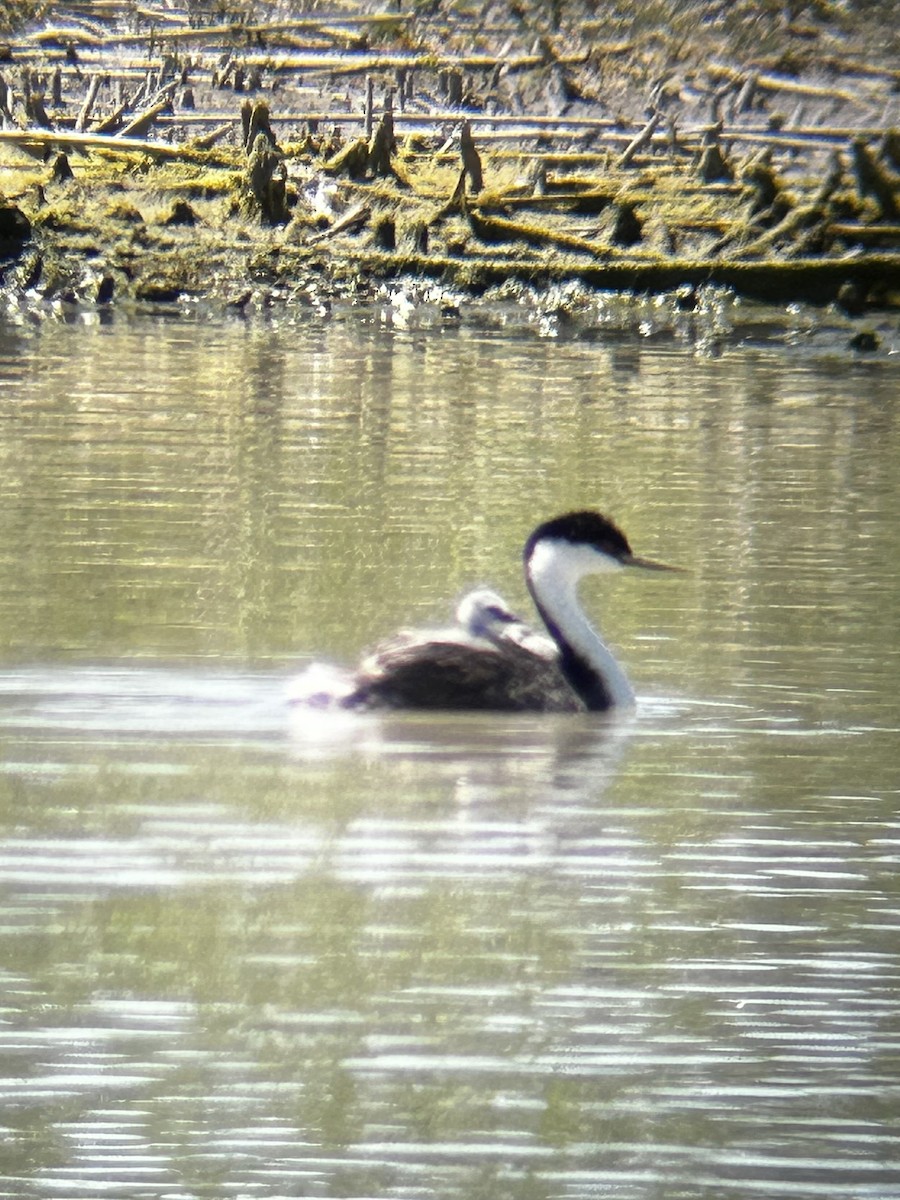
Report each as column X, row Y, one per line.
column 236, row 152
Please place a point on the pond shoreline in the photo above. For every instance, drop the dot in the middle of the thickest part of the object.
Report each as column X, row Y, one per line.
column 276, row 160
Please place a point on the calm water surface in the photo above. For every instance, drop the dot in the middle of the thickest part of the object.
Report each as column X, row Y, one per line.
column 247, row 953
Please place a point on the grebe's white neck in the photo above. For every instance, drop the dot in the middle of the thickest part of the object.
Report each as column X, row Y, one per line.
column 553, row 570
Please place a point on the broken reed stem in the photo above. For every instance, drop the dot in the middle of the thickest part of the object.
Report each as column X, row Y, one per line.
column 470, row 158
column 85, row 111
column 639, row 142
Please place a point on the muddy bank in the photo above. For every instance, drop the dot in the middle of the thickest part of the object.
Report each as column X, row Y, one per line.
column 253, row 157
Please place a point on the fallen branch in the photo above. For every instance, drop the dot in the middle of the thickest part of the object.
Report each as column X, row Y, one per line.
column 65, row 35
column 81, row 37
column 100, row 141
column 142, row 122
column 773, row 83
column 350, row 221
column 878, row 234
column 112, row 122
column 492, row 230
column 795, row 222
column 208, row 140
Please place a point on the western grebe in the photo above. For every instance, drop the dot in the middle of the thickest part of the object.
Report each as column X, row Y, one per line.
column 493, row 660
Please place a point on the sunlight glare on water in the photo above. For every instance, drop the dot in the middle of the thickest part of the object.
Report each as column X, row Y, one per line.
column 251, row 951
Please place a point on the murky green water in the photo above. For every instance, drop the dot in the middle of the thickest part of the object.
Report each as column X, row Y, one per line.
column 246, row 953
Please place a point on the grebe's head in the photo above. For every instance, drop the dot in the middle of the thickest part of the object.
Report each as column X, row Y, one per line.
column 481, row 611
column 588, row 541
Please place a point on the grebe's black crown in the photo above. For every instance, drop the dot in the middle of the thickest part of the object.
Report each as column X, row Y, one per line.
column 583, row 528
